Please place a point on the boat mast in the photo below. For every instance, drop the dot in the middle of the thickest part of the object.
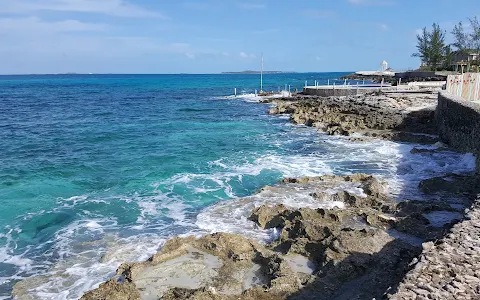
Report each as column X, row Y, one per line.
column 261, row 76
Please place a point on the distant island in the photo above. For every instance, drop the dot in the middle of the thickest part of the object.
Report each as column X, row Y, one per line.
column 256, row 72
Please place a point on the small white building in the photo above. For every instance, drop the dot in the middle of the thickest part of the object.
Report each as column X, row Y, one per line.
column 384, row 66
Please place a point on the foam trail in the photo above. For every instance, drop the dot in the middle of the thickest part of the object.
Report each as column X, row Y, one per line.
column 89, row 249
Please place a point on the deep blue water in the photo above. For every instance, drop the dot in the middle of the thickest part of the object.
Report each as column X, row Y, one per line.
column 96, row 170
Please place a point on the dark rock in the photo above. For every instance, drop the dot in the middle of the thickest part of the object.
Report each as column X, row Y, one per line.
column 269, row 217
column 452, row 183
column 417, row 225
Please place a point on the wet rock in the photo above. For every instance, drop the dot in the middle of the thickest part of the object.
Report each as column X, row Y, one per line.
column 269, row 217
column 379, row 220
column 320, row 253
column 409, row 207
column 112, row 290
column 402, row 136
column 415, row 224
column 368, row 183
column 416, row 150
column 451, row 183
column 345, row 115
column 337, row 129
column 216, row 265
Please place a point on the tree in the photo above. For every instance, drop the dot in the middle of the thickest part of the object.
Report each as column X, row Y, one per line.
column 437, row 46
column 431, row 47
column 461, row 39
column 423, row 46
column 448, row 60
column 475, row 37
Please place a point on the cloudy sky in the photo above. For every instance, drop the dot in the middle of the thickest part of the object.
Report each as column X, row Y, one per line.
column 209, row 36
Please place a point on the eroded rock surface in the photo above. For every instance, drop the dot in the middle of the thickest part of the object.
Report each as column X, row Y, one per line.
column 215, row 266
column 358, row 250
column 393, row 116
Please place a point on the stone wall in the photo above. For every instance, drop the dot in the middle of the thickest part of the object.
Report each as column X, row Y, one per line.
column 459, row 123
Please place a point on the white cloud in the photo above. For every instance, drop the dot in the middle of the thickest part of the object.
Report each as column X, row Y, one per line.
column 384, row 27
column 246, row 55
column 190, row 55
column 35, row 26
column 120, row 8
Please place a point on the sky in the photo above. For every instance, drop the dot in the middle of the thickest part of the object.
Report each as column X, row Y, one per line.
column 212, row 36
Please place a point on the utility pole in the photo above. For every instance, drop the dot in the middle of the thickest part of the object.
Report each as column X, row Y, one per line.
column 261, row 76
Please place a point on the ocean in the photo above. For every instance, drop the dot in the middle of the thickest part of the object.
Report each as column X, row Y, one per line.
column 96, row 170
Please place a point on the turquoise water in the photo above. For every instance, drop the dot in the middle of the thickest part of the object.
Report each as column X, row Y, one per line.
column 100, row 169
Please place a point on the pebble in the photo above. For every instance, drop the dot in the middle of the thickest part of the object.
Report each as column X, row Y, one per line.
column 450, row 268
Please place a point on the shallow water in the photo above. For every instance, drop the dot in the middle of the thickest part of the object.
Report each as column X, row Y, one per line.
column 99, row 170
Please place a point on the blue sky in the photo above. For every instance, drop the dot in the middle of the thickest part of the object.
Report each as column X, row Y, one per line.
column 210, row 36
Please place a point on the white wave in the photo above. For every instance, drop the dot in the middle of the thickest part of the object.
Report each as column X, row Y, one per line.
column 391, row 161
column 252, row 97
column 288, row 166
column 85, row 264
column 395, row 163
column 90, row 249
column 232, row 216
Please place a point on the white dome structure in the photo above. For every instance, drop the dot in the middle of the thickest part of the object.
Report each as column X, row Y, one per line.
column 384, row 66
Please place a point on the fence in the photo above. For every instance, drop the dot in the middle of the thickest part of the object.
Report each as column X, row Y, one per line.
column 466, row 86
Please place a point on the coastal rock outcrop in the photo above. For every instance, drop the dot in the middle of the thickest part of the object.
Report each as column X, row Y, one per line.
column 347, row 247
column 399, row 114
column 452, row 183
column 360, row 247
column 214, row 266
column 373, row 190
column 358, row 250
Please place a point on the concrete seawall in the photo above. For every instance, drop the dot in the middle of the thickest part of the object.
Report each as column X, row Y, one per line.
column 339, row 90
column 459, row 123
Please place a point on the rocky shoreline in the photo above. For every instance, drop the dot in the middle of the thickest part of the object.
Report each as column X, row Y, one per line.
column 393, row 116
column 361, row 247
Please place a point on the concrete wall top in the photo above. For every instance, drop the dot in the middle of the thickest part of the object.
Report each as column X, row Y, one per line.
column 454, row 98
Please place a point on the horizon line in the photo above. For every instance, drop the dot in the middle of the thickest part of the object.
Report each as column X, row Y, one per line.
column 181, row 73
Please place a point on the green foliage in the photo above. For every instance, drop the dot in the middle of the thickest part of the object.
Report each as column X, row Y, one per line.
column 462, row 39
column 448, row 58
column 475, row 35
column 431, row 47
column 437, row 46
column 466, row 42
column 423, row 46
column 433, row 51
